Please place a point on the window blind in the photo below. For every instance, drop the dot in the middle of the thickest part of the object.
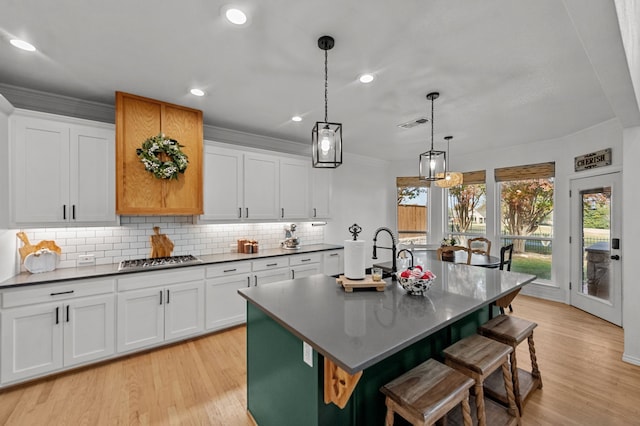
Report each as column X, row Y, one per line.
column 531, row 171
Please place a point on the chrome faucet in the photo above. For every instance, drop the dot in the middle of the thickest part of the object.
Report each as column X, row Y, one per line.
column 410, row 254
column 394, row 268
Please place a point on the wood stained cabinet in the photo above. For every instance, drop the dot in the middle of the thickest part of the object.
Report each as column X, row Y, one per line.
column 138, row 191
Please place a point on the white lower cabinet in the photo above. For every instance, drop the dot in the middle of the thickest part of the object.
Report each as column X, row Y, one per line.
column 333, row 262
column 304, row 265
column 150, row 313
column 271, row 276
column 44, row 337
column 224, row 306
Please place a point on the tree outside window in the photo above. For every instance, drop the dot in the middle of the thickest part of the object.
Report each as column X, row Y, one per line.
column 412, row 213
column 467, row 209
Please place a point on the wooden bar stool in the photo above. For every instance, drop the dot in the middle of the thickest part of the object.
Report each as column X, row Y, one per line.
column 512, row 331
column 426, row 393
column 478, row 357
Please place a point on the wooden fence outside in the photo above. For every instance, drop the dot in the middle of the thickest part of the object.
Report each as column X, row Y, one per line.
column 412, row 218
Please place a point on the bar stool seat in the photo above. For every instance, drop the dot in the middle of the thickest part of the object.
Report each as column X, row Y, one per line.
column 512, row 331
column 426, row 393
column 478, row 357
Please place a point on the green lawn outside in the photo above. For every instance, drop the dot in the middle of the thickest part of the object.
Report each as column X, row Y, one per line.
column 532, row 264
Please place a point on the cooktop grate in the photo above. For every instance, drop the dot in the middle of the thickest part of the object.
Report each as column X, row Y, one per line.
column 157, row 262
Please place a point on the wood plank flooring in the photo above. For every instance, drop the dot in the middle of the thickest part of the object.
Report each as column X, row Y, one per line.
column 203, row 381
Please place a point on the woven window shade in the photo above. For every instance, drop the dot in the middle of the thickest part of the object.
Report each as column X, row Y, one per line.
column 470, row 178
column 531, row 171
column 411, row 181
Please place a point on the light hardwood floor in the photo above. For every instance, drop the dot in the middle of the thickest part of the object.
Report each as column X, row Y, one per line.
column 203, row 381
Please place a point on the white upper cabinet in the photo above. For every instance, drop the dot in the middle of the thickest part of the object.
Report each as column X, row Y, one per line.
column 245, row 185
column 223, row 184
column 261, row 188
column 62, row 172
column 294, row 188
column 320, row 193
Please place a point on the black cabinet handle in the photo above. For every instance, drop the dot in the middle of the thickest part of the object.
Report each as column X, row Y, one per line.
column 161, row 297
column 64, row 212
column 229, row 270
column 57, row 314
column 333, row 254
column 168, row 297
column 248, row 281
column 293, row 274
column 272, row 264
column 61, row 292
column 73, row 212
column 315, row 212
column 282, row 213
column 239, row 212
column 67, row 313
column 305, row 260
column 246, row 212
column 255, row 283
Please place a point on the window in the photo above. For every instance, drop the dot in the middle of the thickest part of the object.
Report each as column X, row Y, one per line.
column 526, row 209
column 467, row 207
column 412, row 210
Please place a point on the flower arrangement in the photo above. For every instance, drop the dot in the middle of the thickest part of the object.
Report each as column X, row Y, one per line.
column 150, row 152
column 448, row 242
column 416, row 281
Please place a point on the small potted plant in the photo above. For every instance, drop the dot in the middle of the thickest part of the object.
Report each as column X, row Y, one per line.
column 448, row 256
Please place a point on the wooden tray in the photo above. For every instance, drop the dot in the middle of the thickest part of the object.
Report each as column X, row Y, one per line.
column 367, row 282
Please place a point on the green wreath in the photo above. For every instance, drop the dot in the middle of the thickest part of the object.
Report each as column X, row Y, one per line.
column 149, row 156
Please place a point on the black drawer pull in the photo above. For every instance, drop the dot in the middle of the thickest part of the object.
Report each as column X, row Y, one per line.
column 272, row 264
column 57, row 314
column 305, row 260
column 67, row 313
column 333, row 254
column 229, row 270
column 62, row 292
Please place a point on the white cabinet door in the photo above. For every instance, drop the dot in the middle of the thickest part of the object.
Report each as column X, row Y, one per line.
column 305, row 270
column 271, row 276
column 92, row 175
column 320, row 193
column 31, row 341
column 89, row 326
column 294, row 188
column 40, row 170
column 261, row 189
column 223, row 184
column 140, row 319
column 333, row 263
column 224, row 306
column 184, row 310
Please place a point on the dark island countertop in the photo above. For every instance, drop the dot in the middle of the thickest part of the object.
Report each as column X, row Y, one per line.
column 357, row 330
column 83, row 272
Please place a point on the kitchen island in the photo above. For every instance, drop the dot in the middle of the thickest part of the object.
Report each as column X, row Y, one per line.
column 381, row 334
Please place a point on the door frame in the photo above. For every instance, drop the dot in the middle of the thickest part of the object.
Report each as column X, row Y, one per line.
column 609, row 310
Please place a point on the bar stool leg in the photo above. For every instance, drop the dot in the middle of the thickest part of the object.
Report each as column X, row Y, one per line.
column 535, row 372
column 515, row 380
column 508, row 385
column 482, row 421
column 388, row 421
column 466, row 412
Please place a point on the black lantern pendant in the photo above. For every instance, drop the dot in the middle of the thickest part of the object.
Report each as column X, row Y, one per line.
column 432, row 162
column 326, row 138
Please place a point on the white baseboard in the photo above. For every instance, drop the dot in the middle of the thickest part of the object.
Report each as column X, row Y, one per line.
column 631, row 359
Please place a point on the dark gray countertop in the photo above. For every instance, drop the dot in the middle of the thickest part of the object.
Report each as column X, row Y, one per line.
column 357, row 330
column 65, row 274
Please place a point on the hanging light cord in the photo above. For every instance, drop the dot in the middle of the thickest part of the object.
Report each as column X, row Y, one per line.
column 326, row 86
column 432, row 99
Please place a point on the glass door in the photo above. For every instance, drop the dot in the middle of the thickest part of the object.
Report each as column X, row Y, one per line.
column 596, row 284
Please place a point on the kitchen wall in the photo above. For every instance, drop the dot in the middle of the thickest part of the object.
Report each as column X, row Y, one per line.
column 131, row 240
column 7, row 236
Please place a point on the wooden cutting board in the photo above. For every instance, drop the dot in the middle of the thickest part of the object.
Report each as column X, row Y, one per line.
column 28, row 248
column 161, row 245
column 367, row 282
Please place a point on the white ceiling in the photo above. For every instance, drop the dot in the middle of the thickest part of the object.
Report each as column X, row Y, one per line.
column 509, row 72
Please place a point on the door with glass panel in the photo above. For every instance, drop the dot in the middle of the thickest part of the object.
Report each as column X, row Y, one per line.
column 596, row 279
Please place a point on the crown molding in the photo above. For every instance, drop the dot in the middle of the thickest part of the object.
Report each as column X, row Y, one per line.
column 35, row 100
column 5, row 106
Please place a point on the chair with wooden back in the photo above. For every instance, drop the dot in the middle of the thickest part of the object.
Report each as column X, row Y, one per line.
column 479, row 245
column 506, row 255
column 444, row 250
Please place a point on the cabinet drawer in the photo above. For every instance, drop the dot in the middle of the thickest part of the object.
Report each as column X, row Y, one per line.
column 54, row 292
column 229, row 268
column 140, row 280
column 270, row 263
column 303, row 259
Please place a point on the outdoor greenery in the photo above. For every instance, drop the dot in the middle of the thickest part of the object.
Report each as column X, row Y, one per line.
column 464, row 201
column 595, row 210
column 535, row 265
column 408, row 193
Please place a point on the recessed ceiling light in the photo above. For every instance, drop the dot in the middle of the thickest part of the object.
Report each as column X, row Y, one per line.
column 197, row 92
column 296, row 118
column 366, row 78
column 21, row 44
column 235, row 16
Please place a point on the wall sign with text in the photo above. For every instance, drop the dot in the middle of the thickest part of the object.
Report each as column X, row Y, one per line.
column 593, row 160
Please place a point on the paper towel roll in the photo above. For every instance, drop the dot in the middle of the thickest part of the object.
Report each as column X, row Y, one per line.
column 354, row 258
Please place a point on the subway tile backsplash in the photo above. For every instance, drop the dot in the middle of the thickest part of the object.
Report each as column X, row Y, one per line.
column 131, row 240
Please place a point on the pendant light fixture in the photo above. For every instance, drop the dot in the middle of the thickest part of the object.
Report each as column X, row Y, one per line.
column 451, row 179
column 326, row 138
column 433, row 161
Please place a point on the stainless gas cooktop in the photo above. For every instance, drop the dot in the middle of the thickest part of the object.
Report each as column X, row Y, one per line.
column 127, row 265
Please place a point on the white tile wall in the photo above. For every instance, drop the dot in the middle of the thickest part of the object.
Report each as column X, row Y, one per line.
column 131, row 240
